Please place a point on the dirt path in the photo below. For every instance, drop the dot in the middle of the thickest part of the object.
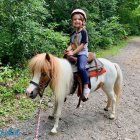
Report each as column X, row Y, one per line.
column 90, row 122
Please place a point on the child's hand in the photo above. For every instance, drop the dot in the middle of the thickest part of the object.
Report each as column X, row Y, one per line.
column 70, row 53
column 66, row 51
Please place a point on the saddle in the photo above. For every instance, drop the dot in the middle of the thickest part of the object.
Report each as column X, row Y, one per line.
column 73, row 59
column 94, row 68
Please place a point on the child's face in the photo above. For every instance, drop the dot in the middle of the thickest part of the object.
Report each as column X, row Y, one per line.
column 77, row 21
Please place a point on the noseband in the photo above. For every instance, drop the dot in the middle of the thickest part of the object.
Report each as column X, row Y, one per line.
column 34, row 83
column 46, row 84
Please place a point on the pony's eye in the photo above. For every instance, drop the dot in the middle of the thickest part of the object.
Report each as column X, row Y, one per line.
column 43, row 74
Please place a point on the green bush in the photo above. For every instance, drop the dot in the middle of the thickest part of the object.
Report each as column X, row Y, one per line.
column 30, row 27
column 23, row 33
column 105, row 33
column 12, row 81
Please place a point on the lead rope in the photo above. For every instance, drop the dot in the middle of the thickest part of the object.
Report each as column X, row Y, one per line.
column 38, row 122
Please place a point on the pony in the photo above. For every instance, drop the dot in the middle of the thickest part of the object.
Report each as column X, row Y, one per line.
column 48, row 69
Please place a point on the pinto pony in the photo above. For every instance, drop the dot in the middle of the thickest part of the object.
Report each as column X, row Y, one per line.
column 58, row 73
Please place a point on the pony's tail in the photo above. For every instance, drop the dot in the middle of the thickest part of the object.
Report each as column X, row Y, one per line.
column 118, row 82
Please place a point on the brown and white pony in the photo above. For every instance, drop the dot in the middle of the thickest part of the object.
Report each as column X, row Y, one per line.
column 58, row 73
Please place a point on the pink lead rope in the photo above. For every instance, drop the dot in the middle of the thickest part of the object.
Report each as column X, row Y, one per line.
column 38, row 123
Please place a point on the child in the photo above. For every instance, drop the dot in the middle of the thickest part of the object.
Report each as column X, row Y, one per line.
column 79, row 46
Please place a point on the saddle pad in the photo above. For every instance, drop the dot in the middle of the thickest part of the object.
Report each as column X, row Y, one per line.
column 90, row 66
column 95, row 73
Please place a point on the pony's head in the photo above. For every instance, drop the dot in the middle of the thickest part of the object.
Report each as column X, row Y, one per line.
column 41, row 69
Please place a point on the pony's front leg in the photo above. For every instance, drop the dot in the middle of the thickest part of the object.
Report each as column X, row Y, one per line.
column 51, row 117
column 54, row 130
column 57, row 115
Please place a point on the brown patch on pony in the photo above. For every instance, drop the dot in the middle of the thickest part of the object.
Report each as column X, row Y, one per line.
column 39, row 63
column 99, row 86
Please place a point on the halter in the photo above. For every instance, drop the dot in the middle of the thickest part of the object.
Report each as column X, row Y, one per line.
column 34, row 83
column 46, row 84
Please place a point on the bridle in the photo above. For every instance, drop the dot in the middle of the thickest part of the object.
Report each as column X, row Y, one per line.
column 34, row 83
column 45, row 85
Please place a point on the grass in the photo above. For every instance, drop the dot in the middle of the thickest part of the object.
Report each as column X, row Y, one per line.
column 13, row 108
column 112, row 50
column 14, row 105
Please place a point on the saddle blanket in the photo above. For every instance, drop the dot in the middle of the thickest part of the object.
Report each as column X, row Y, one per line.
column 95, row 73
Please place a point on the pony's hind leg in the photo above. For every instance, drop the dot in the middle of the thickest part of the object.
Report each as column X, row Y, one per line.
column 108, row 104
column 111, row 101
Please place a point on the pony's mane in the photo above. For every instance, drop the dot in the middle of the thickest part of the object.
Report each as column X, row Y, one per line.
column 39, row 63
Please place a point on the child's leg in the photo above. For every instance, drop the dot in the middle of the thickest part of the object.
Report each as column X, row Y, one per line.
column 81, row 65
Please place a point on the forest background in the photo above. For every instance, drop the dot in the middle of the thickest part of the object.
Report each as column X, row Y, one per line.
column 28, row 27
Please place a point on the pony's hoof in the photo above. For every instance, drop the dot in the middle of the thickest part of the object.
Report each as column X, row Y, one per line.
column 51, row 117
column 112, row 117
column 53, row 131
column 105, row 109
column 52, row 134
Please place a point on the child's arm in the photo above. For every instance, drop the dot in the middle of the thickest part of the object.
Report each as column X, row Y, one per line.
column 69, row 48
column 78, row 49
column 84, row 40
column 66, row 51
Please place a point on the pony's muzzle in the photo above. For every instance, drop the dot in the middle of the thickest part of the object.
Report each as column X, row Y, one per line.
column 27, row 93
column 31, row 94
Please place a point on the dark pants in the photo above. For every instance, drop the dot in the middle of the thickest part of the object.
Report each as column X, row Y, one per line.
column 81, row 65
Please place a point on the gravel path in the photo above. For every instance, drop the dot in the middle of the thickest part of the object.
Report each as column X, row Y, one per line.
column 90, row 121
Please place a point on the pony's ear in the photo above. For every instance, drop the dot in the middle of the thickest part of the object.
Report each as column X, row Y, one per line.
column 47, row 56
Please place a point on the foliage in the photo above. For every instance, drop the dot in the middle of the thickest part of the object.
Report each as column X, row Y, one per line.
column 23, row 31
column 112, row 50
column 12, row 81
column 12, row 109
column 106, row 33
column 129, row 13
column 30, row 27
column 13, row 102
